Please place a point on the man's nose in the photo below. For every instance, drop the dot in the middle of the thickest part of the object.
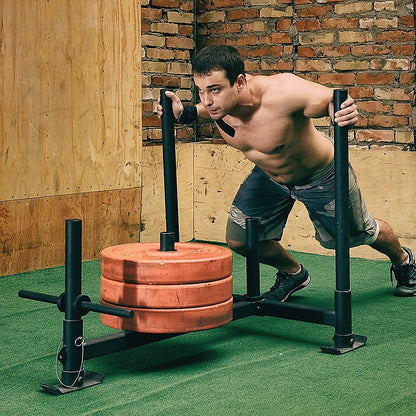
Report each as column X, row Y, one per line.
column 206, row 100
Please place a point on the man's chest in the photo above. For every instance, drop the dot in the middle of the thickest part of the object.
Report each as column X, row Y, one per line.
column 264, row 135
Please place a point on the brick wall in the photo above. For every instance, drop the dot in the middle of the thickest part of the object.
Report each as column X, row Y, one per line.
column 365, row 46
column 167, row 43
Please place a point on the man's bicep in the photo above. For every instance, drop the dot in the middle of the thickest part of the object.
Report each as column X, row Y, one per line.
column 317, row 100
column 306, row 97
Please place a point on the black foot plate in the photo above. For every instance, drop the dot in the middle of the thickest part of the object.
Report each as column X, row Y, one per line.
column 358, row 342
column 90, row 379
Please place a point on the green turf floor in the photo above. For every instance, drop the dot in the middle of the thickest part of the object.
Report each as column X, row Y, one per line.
column 253, row 366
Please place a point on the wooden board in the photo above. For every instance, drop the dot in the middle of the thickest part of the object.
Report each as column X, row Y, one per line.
column 386, row 179
column 32, row 230
column 153, row 209
column 219, row 171
column 70, row 75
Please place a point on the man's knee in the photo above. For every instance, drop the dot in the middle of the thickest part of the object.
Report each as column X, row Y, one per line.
column 237, row 246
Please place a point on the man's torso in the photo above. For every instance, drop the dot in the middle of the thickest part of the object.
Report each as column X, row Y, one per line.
column 276, row 136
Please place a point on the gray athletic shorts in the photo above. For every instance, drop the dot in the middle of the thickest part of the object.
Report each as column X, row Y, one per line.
column 260, row 196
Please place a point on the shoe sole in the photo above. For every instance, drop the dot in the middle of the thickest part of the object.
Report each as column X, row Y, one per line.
column 301, row 286
column 402, row 292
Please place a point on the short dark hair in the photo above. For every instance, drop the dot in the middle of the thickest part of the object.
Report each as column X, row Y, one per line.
column 219, row 57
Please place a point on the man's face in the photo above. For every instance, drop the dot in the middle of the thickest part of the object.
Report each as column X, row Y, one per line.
column 216, row 93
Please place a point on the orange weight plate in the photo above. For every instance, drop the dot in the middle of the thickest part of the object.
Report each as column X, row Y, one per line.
column 145, row 263
column 166, row 296
column 171, row 321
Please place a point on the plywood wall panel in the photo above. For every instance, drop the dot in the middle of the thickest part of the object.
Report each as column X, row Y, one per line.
column 386, row 179
column 219, row 171
column 32, row 230
column 70, row 78
column 153, row 201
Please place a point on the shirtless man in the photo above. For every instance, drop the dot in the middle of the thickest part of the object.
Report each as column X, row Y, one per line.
column 268, row 118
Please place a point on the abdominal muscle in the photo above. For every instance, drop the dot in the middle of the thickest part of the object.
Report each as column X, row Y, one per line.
column 294, row 160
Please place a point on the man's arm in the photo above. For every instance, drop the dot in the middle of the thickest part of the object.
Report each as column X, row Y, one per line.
column 317, row 101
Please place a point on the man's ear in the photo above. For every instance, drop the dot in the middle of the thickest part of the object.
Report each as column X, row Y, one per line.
column 241, row 82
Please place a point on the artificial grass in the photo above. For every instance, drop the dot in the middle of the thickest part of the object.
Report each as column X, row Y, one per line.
column 253, row 366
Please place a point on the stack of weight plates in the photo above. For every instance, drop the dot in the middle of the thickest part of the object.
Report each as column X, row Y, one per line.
column 189, row 289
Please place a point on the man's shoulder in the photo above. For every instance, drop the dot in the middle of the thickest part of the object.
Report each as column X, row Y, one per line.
column 276, row 87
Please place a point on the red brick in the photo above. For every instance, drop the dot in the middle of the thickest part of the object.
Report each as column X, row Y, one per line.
column 307, row 25
column 214, row 41
column 361, row 92
column 278, row 66
column 151, row 14
column 288, row 50
column 252, row 66
column 217, row 4
column 305, row 52
column 380, row 78
column 283, row 24
column 402, row 109
column 145, row 26
column 394, row 94
column 245, row 40
column 317, row 65
column 240, row 14
column 388, row 121
column 337, row 79
column 390, row 64
column 165, row 3
column 185, row 30
column 375, row 135
column 369, row 50
column 177, row 42
column 187, row 6
column 333, row 51
column 362, row 122
column 281, row 38
column 407, row 20
column 162, row 54
column 267, row 51
column 147, row 107
column 151, row 121
column 339, row 23
column 407, row 78
column 226, row 28
column 373, row 107
column 275, row 38
column 182, row 55
column 315, row 11
column 203, row 5
column 165, row 81
column 396, row 36
column 403, row 49
column 185, row 133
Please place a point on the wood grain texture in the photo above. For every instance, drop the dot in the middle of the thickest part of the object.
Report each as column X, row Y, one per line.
column 386, row 179
column 153, row 209
column 70, row 82
column 32, row 230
